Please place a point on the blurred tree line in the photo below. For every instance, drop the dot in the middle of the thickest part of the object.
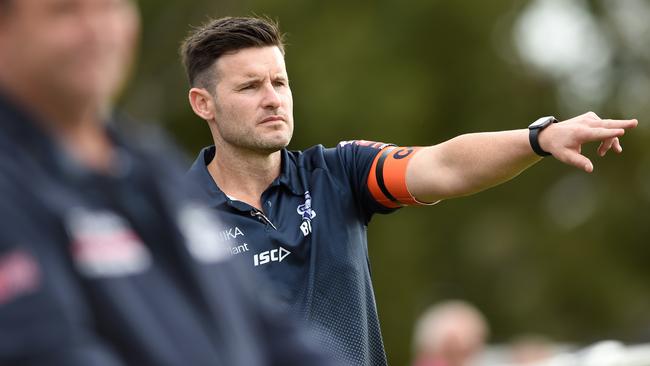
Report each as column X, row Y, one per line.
column 555, row 252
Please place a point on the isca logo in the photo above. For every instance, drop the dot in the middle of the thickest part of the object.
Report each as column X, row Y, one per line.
column 275, row 255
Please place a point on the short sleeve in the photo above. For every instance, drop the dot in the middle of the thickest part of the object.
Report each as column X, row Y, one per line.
column 378, row 174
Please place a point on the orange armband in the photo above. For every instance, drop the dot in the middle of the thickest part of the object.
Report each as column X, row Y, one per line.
column 387, row 177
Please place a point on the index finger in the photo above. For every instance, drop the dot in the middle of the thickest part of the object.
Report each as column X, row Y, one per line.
column 615, row 123
column 599, row 134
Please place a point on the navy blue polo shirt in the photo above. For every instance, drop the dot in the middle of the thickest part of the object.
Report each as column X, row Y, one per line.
column 310, row 240
column 121, row 269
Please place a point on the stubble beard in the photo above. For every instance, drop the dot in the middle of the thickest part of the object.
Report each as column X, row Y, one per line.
column 248, row 140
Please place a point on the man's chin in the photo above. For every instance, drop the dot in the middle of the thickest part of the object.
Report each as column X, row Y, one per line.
column 272, row 148
column 95, row 83
column 84, row 93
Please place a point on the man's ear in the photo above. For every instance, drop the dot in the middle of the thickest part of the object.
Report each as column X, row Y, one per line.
column 202, row 103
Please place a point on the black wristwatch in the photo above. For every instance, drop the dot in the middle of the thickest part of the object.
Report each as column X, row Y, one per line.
column 533, row 133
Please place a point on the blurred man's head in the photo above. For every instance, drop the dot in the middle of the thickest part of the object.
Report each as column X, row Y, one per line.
column 240, row 84
column 66, row 50
column 451, row 333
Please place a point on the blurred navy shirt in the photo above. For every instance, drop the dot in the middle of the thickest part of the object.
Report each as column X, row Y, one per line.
column 121, row 269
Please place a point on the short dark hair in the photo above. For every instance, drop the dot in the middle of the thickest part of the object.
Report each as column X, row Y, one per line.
column 205, row 44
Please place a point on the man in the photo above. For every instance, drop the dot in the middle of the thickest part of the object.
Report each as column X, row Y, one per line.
column 450, row 333
column 104, row 260
column 300, row 217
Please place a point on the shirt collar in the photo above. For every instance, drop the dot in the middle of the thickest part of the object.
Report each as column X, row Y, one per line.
column 201, row 178
column 289, row 176
column 23, row 128
column 20, row 127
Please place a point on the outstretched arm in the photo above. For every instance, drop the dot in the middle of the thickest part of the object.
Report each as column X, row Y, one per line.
column 473, row 162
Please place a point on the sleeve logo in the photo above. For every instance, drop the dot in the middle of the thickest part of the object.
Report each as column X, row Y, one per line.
column 365, row 143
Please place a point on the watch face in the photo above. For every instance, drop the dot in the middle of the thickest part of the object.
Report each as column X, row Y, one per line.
column 542, row 122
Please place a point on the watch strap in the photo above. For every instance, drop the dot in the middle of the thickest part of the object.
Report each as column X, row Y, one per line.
column 533, row 137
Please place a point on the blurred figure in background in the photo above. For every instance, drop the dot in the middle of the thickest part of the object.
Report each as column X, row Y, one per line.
column 531, row 349
column 451, row 333
column 105, row 258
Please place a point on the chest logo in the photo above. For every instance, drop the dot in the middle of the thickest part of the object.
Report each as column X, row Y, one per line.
column 275, row 255
column 230, row 233
column 105, row 245
column 307, row 214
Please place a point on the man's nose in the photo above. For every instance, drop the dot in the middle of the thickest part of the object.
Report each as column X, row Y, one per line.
column 271, row 96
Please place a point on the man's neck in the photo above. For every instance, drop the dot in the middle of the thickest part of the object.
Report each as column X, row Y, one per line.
column 244, row 175
column 76, row 124
column 88, row 142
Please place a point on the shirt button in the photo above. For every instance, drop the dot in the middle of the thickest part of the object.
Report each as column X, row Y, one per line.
column 268, row 203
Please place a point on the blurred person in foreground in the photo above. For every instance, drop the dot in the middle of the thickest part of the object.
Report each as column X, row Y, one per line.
column 451, row 333
column 104, row 257
column 300, row 217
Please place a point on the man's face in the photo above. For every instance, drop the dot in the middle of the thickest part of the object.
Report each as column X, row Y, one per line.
column 253, row 102
column 72, row 48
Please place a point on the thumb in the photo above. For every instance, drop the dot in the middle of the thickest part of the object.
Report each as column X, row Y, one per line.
column 577, row 160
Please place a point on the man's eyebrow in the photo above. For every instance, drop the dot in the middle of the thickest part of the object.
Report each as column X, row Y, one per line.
column 247, row 79
column 255, row 78
column 251, row 75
